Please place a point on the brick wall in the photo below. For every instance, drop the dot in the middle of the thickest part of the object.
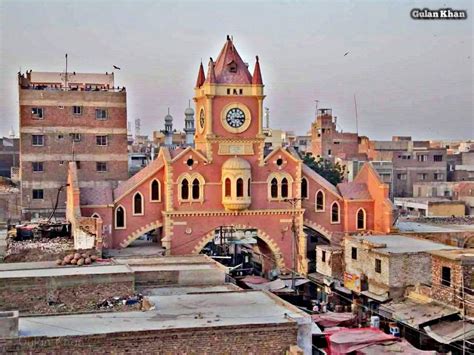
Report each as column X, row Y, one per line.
column 248, row 339
column 76, row 292
column 452, row 294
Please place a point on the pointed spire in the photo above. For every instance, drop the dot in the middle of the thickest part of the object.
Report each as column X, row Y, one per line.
column 257, row 75
column 201, row 77
column 211, row 75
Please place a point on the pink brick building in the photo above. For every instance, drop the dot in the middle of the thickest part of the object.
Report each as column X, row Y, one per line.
column 187, row 194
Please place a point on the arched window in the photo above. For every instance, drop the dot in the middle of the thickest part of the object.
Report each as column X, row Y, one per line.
column 155, row 191
column 361, row 219
column 196, row 189
column 284, row 188
column 274, row 188
column 185, row 189
column 335, row 212
column 248, row 187
column 227, row 187
column 320, row 201
column 137, row 204
column 304, row 188
column 240, row 187
column 119, row 217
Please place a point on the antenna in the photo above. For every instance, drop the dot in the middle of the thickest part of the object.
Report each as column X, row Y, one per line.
column 65, row 76
column 189, row 103
column 357, row 118
column 317, row 104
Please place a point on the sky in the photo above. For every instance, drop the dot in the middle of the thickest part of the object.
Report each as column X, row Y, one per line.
column 409, row 77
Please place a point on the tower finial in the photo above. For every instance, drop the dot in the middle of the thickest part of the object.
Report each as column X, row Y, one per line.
column 189, row 103
column 168, row 110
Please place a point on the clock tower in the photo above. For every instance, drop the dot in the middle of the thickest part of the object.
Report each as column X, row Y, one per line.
column 229, row 106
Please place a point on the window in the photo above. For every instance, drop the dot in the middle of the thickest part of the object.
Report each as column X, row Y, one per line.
column 437, row 157
column 274, row 188
column 137, row 204
column 361, row 219
column 446, row 276
column 196, row 189
column 329, row 151
column 240, row 187
column 335, row 212
column 248, row 187
column 422, row 157
column 38, row 194
column 76, row 137
column 101, row 140
column 319, row 201
column 438, row 176
column 227, row 187
column 37, row 140
column 101, row 166
column 119, row 217
column 401, row 176
column 77, row 110
column 354, row 253
column 279, row 161
column 78, row 164
column 323, row 256
column 185, row 189
column 228, row 91
column 100, row 113
column 378, row 266
column 284, row 188
column 190, row 162
column 155, row 191
column 37, row 166
column 304, row 188
column 423, row 176
column 241, row 91
column 37, row 113
column 337, row 142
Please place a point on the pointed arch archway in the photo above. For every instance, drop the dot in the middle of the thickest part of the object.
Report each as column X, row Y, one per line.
column 275, row 249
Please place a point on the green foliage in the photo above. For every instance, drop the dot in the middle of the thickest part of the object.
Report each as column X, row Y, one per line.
column 334, row 173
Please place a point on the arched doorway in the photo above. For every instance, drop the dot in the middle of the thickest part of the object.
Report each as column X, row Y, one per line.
column 245, row 250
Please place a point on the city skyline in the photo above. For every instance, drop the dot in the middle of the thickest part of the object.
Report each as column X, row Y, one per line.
column 421, row 70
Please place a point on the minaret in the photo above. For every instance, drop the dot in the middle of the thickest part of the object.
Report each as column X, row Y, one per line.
column 168, row 129
column 189, row 125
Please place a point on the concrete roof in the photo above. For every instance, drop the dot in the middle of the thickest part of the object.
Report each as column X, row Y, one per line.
column 168, row 291
column 458, row 254
column 172, row 312
column 65, row 271
column 398, row 244
column 420, row 227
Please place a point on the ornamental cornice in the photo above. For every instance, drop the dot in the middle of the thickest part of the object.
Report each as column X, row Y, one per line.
column 270, row 212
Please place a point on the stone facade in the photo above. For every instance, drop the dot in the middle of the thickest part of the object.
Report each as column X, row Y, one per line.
column 450, row 291
column 251, row 339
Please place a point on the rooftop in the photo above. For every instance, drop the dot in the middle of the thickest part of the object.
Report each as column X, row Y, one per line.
column 457, row 254
column 172, row 312
column 400, row 244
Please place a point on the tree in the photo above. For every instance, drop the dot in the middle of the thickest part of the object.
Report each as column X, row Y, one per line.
column 334, row 173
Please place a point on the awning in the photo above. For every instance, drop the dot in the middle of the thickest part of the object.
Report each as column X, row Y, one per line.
column 447, row 332
column 298, row 282
column 378, row 298
column 332, row 319
column 416, row 313
column 343, row 290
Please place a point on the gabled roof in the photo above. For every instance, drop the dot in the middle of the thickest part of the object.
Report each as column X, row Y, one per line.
column 307, row 171
column 175, row 157
column 228, row 58
column 138, row 178
column 95, row 196
column 285, row 152
column 354, row 191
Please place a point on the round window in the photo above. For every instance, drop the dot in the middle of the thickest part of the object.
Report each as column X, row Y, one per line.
column 279, row 161
column 190, row 162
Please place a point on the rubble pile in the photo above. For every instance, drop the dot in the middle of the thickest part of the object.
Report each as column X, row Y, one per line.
column 137, row 301
column 77, row 259
column 40, row 249
column 447, row 220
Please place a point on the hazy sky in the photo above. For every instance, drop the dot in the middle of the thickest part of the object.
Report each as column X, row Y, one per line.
column 410, row 77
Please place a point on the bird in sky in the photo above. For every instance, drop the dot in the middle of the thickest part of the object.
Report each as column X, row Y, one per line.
column 346, row 54
column 116, row 67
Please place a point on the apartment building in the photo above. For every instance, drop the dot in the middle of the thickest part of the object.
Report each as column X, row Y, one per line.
column 69, row 117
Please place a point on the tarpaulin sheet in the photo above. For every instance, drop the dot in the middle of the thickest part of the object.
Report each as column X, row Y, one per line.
column 349, row 340
column 332, row 319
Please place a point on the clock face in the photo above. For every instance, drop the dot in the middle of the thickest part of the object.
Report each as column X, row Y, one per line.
column 202, row 119
column 235, row 117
